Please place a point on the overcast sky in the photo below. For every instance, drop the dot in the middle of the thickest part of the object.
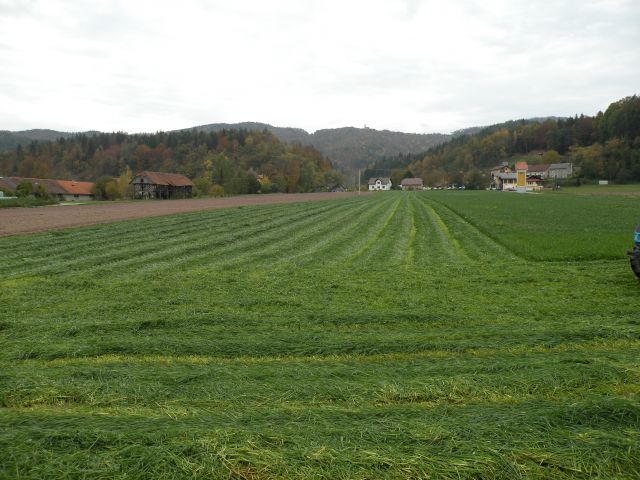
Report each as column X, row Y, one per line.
column 408, row 65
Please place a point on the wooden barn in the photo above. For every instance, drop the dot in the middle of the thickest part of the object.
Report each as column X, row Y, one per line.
column 161, row 185
column 412, row 184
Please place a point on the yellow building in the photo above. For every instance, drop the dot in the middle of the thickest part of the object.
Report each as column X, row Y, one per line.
column 521, row 177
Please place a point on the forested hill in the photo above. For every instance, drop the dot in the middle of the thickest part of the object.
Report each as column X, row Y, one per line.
column 232, row 159
column 605, row 146
column 349, row 147
column 284, row 134
column 10, row 140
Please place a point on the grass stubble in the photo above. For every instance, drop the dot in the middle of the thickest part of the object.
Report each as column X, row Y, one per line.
column 435, row 335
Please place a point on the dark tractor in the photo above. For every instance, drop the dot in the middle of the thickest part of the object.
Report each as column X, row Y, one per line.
column 634, row 254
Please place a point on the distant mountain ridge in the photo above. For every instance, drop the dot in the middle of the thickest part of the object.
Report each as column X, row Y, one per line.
column 10, row 140
column 347, row 147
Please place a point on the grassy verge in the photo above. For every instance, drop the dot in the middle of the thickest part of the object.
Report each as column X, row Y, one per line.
column 27, row 202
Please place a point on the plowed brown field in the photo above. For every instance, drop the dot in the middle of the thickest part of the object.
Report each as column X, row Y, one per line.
column 15, row 221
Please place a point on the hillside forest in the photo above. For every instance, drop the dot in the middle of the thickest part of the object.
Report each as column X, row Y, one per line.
column 602, row 147
column 229, row 162
column 257, row 157
column 348, row 148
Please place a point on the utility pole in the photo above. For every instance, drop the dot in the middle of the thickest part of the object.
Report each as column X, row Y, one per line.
column 358, row 181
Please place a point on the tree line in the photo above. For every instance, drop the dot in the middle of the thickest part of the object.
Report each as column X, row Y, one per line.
column 228, row 161
column 605, row 146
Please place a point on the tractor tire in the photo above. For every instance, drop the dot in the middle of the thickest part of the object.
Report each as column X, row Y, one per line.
column 634, row 257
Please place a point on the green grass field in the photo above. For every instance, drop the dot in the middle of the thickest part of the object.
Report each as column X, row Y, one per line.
column 438, row 335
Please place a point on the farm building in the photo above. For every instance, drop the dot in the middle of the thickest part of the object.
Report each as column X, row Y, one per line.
column 540, row 171
column 503, row 177
column 508, row 182
column 560, row 170
column 76, row 191
column 554, row 170
column 161, row 185
column 65, row 190
column 502, row 168
column 412, row 184
column 379, row 183
column 496, row 182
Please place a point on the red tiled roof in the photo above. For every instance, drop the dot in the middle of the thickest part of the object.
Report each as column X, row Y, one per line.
column 76, row 188
column 173, row 179
column 521, row 166
column 55, row 187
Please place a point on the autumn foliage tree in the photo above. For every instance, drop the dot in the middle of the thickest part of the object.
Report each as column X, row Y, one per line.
column 234, row 160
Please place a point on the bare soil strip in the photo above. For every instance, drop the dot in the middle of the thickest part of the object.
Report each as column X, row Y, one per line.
column 16, row 221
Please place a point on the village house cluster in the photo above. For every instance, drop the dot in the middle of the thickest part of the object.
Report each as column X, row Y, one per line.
column 146, row 185
column 503, row 177
column 384, row 183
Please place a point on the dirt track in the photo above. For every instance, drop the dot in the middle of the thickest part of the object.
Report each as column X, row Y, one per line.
column 15, row 221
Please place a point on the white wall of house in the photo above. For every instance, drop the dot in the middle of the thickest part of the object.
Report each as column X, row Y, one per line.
column 380, row 186
column 75, row 198
column 510, row 185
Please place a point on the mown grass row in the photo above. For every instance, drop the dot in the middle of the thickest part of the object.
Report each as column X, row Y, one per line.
column 376, row 337
column 212, row 232
column 453, row 441
column 433, row 378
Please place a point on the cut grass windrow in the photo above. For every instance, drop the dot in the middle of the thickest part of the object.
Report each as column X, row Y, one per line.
column 172, row 228
column 475, row 244
column 254, row 246
column 157, row 245
column 324, row 242
column 370, row 237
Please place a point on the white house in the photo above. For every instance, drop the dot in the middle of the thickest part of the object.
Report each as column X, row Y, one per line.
column 379, row 183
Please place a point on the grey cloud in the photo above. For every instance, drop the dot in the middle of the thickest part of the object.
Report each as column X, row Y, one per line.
column 538, row 58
